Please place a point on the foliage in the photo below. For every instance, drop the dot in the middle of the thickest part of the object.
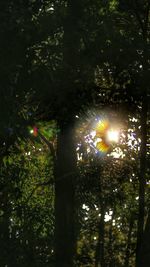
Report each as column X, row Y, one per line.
column 59, row 61
column 27, row 205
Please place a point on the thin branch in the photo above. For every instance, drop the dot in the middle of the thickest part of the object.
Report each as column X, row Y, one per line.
column 136, row 8
column 49, row 144
column 147, row 18
column 36, row 187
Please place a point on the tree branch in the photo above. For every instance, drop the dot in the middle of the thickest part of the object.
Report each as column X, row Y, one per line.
column 136, row 8
column 147, row 18
column 49, row 144
column 36, row 187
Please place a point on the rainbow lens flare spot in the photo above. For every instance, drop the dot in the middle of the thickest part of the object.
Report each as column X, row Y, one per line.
column 101, row 127
column 33, row 131
column 102, row 136
column 102, row 147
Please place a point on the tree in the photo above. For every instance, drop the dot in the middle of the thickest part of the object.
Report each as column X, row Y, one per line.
column 63, row 67
column 140, row 11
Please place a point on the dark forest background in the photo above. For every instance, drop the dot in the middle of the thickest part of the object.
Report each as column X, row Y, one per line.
column 62, row 63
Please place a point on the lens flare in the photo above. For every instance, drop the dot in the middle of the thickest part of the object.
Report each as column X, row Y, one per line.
column 113, row 135
column 102, row 147
column 98, row 135
column 33, row 131
column 101, row 127
column 103, row 136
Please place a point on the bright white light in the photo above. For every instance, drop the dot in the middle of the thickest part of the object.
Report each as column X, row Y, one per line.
column 117, row 153
column 107, row 217
column 84, row 207
column 114, row 223
column 113, row 136
column 93, row 133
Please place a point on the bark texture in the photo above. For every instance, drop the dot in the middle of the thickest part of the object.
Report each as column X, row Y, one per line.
column 64, row 198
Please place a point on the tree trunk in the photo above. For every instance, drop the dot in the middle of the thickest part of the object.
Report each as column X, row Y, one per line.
column 142, row 175
column 99, row 255
column 64, row 198
column 144, row 25
column 7, row 257
column 66, row 150
column 127, row 254
column 144, row 257
column 111, row 241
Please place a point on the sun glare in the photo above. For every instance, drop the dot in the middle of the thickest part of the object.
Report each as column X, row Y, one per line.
column 113, row 136
column 100, row 136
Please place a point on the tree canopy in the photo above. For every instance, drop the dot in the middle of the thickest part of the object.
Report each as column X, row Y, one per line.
column 70, row 71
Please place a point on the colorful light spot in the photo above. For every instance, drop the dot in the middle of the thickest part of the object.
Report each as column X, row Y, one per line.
column 102, row 136
column 102, row 147
column 101, row 127
column 35, row 131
